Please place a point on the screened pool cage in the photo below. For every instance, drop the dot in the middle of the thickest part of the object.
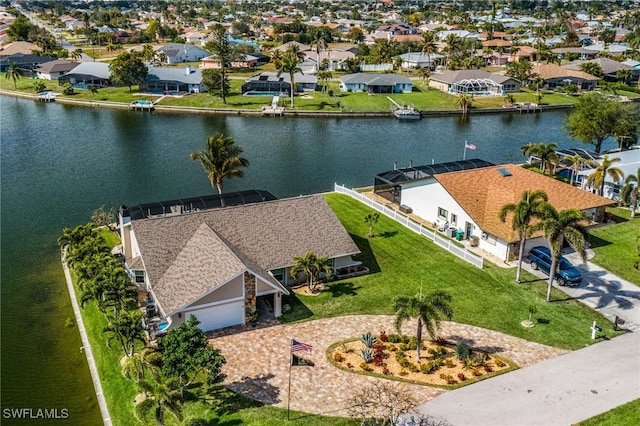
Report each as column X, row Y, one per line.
column 477, row 87
column 388, row 184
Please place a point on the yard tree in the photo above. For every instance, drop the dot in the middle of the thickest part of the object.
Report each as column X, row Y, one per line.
column 546, row 153
column 560, row 227
column 143, row 364
column 465, row 102
column 290, row 64
column 220, row 158
column 429, row 45
column 128, row 69
column 126, row 330
column 576, row 164
column 216, row 82
column 605, row 168
column 592, row 68
column 595, row 118
column 13, row 73
column 371, row 219
column 188, row 355
column 221, row 48
column 162, row 395
column 530, row 206
column 428, row 309
column 311, row 266
column 630, row 191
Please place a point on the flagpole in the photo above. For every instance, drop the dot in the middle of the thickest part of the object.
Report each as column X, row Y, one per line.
column 464, row 155
column 290, row 363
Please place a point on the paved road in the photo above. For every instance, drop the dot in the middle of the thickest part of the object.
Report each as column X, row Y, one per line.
column 566, row 389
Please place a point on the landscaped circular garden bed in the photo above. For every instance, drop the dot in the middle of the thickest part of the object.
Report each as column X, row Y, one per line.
column 442, row 363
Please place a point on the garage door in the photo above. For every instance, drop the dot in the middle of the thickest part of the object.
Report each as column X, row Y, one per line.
column 219, row 316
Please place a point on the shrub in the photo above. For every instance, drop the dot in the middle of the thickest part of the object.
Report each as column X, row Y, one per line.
column 349, row 365
column 366, row 366
column 413, row 343
column 438, row 352
column 368, row 340
column 413, row 368
column 404, row 362
column 468, row 364
column 395, row 338
column 39, row 86
column 476, row 372
column 488, row 368
column 405, row 339
column 366, row 354
column 386, row 371
column 462, row 351
column 403, row 372
column 346, row 348
column 479, row 360
column 383, row 336
column 378, row 361
column 449, row 378
column 68, row 89
column 441, row 341
column 449, row 363
column 499, row 363
column 462, row 377
column 337, row 357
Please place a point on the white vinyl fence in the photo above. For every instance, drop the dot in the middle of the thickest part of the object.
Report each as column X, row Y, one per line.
column 416, row 227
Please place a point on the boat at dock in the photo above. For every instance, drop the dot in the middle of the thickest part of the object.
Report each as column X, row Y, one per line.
column 404, row 112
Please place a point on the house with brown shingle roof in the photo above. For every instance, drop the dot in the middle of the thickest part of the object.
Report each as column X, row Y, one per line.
column 216, row 264
column 555, row 76
column 469, row 200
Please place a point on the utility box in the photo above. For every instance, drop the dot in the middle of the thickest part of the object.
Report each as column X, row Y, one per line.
column 405, row 209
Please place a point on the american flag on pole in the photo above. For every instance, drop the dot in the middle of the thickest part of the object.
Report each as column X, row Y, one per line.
column 469, row 146
column 299, row 346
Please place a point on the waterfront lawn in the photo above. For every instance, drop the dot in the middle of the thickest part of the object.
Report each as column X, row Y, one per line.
column 404, row 263
column 615, row 245
column 626, row 414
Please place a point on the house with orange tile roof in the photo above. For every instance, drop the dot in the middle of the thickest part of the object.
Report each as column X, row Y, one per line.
column 469, row 198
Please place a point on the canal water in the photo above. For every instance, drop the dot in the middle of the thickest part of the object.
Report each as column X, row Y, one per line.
column 59, row 163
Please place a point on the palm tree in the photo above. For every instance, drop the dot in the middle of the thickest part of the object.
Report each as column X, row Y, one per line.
column 76, row 54
column 318, row 45
column 532, row 205
column 630, row 191
column 221, row 160
column 545, row 152
column 429, row 46
column 604, row 169
column 576, row 164
column 324, row 76
column 371, row 219
column 464, row 102
column 428, row 309
column 126, row 330
column 13, row 73
column 136, row 367
column 559, row 227
column 162, row 395
column 311, row 266
column 624, row 75
column 290, row 64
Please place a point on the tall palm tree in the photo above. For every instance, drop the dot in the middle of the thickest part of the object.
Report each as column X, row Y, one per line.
column 429, row 45
column 76, row 54
column 311, row 266
column 428, row 309
column 220, row 158
column 126, row 330
column 532, row 205
column 630, row 191
column 136, row 367
column 545, row 152
column 560, row 227
column 163, row 395
column 624, row 75
column 576, row 164
column 319, row 45
column 464, row 102
column 324, row 76
column 290, row 64
column 13, row 73
column 604, row 169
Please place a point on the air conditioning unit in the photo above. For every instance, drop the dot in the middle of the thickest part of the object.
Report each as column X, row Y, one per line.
column 485, row 235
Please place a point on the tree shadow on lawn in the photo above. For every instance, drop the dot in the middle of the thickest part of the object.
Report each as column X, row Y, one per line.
column 225, row 401
column 341, row 288
column 299, row 310
column 597, row 241
column 258, row 387
column 366, row 255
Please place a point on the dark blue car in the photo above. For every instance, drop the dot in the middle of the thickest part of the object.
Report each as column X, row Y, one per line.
column 567, row 274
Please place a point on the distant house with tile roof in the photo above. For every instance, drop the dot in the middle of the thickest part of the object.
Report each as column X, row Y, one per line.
column 557, row 76
column 470, row 198
column 215, row 264
column 477, row 82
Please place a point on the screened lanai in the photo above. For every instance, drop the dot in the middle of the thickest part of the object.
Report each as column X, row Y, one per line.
column 477, row 87
column 388, row 184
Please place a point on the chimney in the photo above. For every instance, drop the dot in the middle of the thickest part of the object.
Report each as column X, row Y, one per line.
column 395, row 165
column 187, row 70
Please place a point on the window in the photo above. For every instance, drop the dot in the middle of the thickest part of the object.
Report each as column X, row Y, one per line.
column 278, row 274
column 139, row 276
column 454, row 219
column 442, row 213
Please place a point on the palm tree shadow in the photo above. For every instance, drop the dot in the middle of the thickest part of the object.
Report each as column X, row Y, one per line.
column 342, row 288
column 608, row 292
column 598, row 242
column 257, row 388
column 366, row 256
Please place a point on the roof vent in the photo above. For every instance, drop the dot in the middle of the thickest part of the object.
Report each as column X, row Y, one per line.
column 504, row 172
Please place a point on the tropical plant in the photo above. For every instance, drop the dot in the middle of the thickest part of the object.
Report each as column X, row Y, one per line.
column 128, row 69
column 13, row 73
column 368, row 340
column 592, row 68
column 629, row 192
column 311, row 266
column 318, row 45
column 428, row 309
column 576, row 164
column 462, row 351
column 465, row 102
column 140, row 364
column 366, row 354
column 162, row 396
column 290, row 64
column 371, row 219
column 532, row 310
column 126, row 329
column 560, row 227
column 545, row 152
column 220, row 158
column 532, row 205
column 605, row 168
column 221, row 48
column 324, row 76
column 39, row 86
column 429, row 45
column 624, row 75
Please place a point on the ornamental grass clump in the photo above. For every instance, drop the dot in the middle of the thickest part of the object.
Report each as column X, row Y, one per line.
column 368, row 340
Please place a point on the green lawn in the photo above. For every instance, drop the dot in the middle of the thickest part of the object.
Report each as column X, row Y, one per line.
column 623, row 415
column 402, row 263
column 616, row 245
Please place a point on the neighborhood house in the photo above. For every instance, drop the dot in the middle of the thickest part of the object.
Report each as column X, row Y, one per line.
column 216, row 263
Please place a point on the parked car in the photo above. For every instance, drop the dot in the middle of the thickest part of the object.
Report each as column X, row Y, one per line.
column 567, row 274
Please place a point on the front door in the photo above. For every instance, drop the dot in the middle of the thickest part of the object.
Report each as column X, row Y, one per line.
column 468, row 229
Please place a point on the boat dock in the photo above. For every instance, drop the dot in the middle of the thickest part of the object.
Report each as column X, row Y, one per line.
column 141, row 105
column 273, row 109
column 47, row 96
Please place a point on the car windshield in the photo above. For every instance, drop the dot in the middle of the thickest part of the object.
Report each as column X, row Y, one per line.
column 564, row 264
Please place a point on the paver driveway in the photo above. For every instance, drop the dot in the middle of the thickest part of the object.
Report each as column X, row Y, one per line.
column 258, row 360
